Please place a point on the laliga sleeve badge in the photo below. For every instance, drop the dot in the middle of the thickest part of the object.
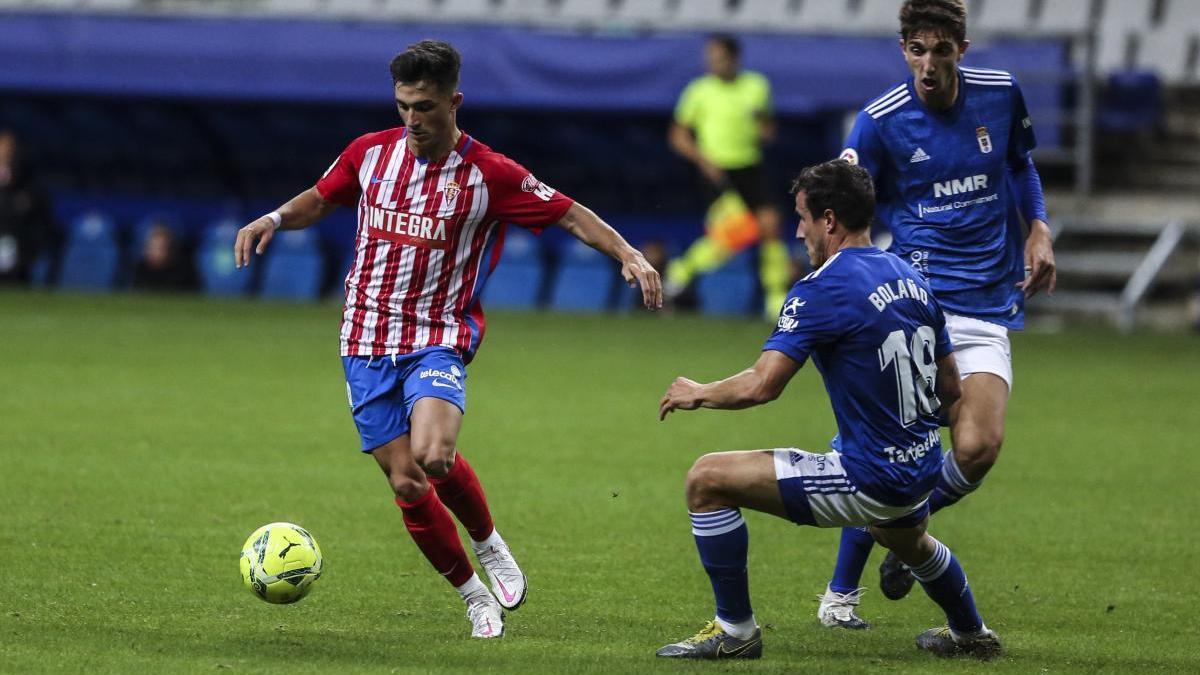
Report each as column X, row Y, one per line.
column 985, row 140
column 787, row 317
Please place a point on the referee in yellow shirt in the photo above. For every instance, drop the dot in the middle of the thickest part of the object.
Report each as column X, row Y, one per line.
column 721, row 122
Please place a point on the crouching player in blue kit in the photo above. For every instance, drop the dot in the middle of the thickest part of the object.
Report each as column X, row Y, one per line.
column 878, row 337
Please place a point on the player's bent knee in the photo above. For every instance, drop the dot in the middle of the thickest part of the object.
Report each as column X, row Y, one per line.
column 436, row 458
column 408, row 488
column 438, row 466
column 912, row 545
column 704, row 482
column 978, row 454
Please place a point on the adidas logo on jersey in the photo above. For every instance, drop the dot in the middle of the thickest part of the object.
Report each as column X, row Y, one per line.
column 918, row 156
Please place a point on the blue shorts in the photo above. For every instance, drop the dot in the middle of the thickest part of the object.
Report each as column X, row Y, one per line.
column 383, row 389
column 816, row 490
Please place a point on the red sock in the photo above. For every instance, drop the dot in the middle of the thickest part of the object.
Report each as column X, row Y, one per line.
column 433, row 530
column 460, row 490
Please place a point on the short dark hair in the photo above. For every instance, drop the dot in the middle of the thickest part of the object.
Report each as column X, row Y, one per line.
column 728, row 42
column 841, row 187
column 429, row 61
column 941, row 17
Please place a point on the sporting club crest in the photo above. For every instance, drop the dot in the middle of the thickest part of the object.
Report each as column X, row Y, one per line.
column 450, row 192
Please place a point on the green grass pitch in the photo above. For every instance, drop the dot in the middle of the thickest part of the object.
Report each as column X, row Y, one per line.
column 143, row 439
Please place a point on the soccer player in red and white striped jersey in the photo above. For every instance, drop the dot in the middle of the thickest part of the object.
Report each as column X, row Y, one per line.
column 433, row 204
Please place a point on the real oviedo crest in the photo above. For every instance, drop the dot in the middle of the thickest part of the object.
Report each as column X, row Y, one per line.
column 985, row 140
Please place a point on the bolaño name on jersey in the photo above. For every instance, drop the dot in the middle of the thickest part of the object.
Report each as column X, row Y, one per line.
column 406, row 228
column 902, row 289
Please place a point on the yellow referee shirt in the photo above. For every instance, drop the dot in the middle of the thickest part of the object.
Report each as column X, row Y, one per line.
column 725, row 117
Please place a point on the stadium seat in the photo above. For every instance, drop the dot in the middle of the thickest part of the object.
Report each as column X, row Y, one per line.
column 730, row 290
column 766, row 15
column 1120, row 28
column 294, row 268
column 464, row 10
column 658, row 12
column 91, row 258
column 1181, row 15
column 831, row 15
column 1006, row 16
column 874, row 16
column 704, row 14
column 516, row 283
column 585, row 11
column 1131, row 101
column 41, row 273
column 585, row 280
column 1065, row 17
column 522, row 11
column 218, row 275
column 291, row 7
column 1166, row 51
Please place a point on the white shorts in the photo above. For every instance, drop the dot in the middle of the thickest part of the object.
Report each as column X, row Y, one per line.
column 980, row 347
column 816, row 491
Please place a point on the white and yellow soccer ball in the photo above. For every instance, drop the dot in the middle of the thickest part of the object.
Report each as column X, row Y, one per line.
column 280, row 562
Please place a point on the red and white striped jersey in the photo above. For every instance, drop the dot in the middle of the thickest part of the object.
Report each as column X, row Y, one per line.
column 429, row 235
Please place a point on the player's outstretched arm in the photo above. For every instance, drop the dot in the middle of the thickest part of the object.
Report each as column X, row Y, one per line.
column 298, row 213
column 761, row 383
column 587, row 227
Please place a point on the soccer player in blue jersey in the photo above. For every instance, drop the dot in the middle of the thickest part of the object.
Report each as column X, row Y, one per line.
column 949, row 153
column 878, row 337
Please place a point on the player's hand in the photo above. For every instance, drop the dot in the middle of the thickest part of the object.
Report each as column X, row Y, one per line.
column 1040, row 271
column 683, row 394
column 260, row 231
column 637, row 271
column 715, row 174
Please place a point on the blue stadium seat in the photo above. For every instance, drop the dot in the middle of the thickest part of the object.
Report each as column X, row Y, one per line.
column 516, row 283
column 732, row 289
column 214, row 259
column 1131, row 101
column 585, row 281
column 136, row 244
column 91, row 257
column 294, row 268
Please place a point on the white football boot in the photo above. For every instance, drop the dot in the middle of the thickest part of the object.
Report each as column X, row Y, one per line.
column 486, row 617
column 837, row 609
column 507, row 580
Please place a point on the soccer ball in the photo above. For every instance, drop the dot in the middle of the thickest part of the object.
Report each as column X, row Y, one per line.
column 280, row 562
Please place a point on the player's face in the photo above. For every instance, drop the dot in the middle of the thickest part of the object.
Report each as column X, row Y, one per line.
column 719, row 61
column 428, row 112
column 811, row 231
column 933, row 61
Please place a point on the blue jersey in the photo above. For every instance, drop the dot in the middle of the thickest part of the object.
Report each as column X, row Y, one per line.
column 875, row 331
column 942, row 188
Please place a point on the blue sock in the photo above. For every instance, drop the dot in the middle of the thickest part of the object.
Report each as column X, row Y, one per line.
column 952, row 485
column 722, row 539
column 852, row 558
column 946, row 584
